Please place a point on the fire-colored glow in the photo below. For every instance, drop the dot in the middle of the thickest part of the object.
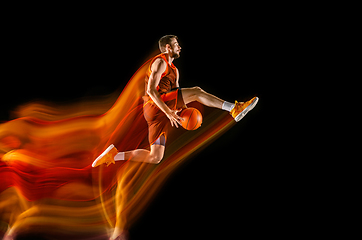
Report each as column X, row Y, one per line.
column 47, row 184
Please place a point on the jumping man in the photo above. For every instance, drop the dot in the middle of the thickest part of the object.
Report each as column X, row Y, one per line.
column 163, row 100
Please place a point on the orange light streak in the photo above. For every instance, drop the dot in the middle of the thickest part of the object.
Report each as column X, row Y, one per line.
column 47, row 183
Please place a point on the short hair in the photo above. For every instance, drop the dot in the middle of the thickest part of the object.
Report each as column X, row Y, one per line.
column 164, row 41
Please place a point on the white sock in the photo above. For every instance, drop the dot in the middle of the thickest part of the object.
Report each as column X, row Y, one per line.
column 228, row 106
column 119, row 156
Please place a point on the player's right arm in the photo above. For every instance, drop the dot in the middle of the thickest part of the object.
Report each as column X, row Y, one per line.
column 157, row 69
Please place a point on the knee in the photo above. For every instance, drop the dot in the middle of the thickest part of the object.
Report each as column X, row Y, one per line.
column 192, row 94
column 197, row 90
column 197, row 93
column 157, row 157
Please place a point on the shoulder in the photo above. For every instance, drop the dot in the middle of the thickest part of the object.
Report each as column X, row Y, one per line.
column 159, row 64
column 159, row 60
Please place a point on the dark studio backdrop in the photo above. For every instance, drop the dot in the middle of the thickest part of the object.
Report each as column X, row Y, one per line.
column 234, row 185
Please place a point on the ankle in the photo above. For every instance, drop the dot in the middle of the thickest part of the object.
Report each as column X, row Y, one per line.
column 227, row 106
column 119, row 156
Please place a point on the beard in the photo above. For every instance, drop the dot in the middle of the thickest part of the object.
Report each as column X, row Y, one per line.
column 175, row 55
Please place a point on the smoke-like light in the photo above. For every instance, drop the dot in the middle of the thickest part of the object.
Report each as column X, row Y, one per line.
column 47, row 183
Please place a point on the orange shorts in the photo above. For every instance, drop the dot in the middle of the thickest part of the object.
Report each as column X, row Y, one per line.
column 158, row 122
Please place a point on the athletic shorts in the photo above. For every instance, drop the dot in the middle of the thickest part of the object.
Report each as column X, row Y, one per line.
column 158, row 122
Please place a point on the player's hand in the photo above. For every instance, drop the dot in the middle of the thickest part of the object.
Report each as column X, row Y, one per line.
column 174, row 118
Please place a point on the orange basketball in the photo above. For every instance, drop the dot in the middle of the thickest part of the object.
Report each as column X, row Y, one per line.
column 192, row 118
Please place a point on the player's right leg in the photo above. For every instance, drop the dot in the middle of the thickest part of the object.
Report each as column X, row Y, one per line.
column 111, row 154
column 142, row 155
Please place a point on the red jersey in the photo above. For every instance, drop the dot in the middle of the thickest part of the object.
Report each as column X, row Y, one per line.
column 168, row 78
column 158, row 123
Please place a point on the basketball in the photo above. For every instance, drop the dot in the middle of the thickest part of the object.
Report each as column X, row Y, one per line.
column 192, row 118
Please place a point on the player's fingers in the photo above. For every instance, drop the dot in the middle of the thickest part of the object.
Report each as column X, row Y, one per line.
column 171, row 122
column 179, row 123
column 176, row 123
column 176, row 120
column 177, row 116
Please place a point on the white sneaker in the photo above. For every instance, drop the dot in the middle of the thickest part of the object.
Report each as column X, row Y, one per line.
column 106, row 157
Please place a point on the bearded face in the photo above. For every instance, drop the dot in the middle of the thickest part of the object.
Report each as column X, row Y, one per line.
column 175, row 49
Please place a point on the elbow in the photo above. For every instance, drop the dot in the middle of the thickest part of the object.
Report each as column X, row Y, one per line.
column 148, row 91
column 151, row 92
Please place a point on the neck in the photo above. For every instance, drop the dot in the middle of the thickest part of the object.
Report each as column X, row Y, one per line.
column 169, row 58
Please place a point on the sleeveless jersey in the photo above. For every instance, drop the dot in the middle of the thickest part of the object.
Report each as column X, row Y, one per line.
column 168, row 78
column 158, row 123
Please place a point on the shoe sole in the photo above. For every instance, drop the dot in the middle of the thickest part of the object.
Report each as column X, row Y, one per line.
column 103, row 154
column 246, row 110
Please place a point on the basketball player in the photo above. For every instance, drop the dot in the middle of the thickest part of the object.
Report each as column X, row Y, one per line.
column 163, row 100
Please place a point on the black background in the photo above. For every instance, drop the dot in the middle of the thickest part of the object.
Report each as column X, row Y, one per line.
column 241, row 184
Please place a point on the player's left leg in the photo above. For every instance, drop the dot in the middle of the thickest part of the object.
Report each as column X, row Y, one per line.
column 237, row 110
column 197, row 94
